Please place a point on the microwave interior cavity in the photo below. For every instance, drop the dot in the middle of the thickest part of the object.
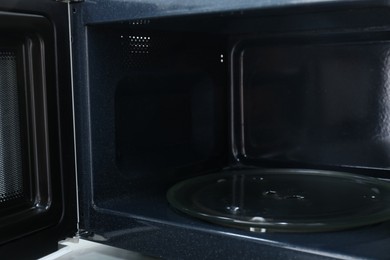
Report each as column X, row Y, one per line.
column 167, row 99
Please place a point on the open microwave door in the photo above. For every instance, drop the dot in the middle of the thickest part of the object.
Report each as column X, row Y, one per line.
column 37, row 169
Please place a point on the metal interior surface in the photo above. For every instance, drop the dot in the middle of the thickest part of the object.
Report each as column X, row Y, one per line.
column 180, row 77
column 319, row 102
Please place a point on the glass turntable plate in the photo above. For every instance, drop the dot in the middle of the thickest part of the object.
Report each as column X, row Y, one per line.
column 288, row 200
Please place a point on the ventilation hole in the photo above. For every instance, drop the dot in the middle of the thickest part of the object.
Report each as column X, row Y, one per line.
column 139, row 22
column 136, row 50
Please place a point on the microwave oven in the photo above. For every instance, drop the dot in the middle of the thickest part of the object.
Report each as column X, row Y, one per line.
column 107, row 106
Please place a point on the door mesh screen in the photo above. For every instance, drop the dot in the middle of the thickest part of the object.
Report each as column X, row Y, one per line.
column 11, row 177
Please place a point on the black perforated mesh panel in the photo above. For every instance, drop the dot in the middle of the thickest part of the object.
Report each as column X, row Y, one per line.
column 11, row 177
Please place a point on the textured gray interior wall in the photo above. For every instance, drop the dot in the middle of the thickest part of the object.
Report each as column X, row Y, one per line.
column 150, row 235
column 97, row 11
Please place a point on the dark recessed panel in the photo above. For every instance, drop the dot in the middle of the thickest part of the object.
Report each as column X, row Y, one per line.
column 326, row 104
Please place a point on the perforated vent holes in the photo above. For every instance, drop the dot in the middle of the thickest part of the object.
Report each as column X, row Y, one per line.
column 11, row 178
column 135, row 49
column 139, row 22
